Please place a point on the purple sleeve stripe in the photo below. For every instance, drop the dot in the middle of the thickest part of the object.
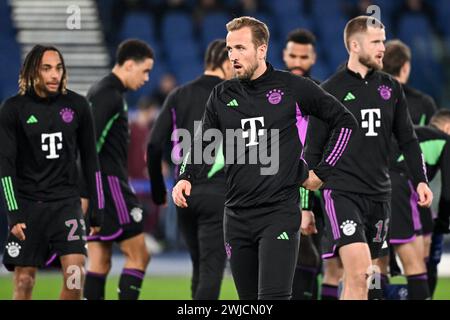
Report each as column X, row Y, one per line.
column 338, row 142
column 302, row 125
column 117, row 204
column 342, row 148
column 341, row 145
column 100, row 195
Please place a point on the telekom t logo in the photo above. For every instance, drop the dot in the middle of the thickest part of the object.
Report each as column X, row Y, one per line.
column 54, row 143
column 252, row 132
column 371, row 123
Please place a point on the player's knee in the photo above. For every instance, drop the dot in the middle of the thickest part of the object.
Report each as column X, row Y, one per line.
column 25, row 281
column 333, row 273
column 145, row 258
column 357, row 279
column 106, row 266
column 100, row 266
column 140, row 259
column 75, row 273
column 414, row 267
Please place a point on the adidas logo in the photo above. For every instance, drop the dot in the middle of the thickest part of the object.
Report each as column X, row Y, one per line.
column 349, row 97
column 283, row 236
column 232, row 103
column 32, row 119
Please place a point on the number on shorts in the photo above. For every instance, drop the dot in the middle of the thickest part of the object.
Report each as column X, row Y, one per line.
column 379, row 226
column 73, row 225
column 83, row 224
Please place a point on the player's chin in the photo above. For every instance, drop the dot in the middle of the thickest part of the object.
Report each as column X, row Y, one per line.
column 378, row 63
column 52, row 88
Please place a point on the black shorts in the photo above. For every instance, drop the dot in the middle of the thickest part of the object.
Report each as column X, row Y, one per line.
column 405, row 222
column 427, row 216
column 124, row 216
column 352, row 218
column 53, row 229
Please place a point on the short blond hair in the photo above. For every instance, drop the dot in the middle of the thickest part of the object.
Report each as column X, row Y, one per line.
column 260, row 32
column 359, row 25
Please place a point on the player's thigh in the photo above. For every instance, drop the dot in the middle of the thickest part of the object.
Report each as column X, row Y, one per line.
column 356, row 259
column 99, row 254
column 72, row 265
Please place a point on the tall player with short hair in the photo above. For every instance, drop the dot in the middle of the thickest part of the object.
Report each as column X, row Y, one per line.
column 123, row 221
column 262, row 220
column 357, row 194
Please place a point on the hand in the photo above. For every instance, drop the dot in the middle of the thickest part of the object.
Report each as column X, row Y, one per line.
column 308, row 225
column 313, row 182
column 182, row 188
column 17, row 231
column 425, row 195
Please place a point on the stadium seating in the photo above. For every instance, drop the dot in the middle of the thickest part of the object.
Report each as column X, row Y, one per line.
column 179, row 43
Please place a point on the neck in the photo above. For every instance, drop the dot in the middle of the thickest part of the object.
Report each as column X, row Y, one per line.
column 216, row 73
column 119, row 73
column 400, row 79
column 40, row 93
column 259, row 71
column 356, row 66
column 438, row 125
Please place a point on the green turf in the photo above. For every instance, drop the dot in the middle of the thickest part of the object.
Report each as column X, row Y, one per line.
column 159, row 288
column 154, row 288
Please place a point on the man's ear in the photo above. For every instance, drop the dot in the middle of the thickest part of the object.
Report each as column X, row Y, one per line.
column 262, row 51
column 355, row 46
column 447, row 127
column 128, row 65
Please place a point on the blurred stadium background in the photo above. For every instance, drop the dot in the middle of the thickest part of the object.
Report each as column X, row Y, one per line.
column 178, row 31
